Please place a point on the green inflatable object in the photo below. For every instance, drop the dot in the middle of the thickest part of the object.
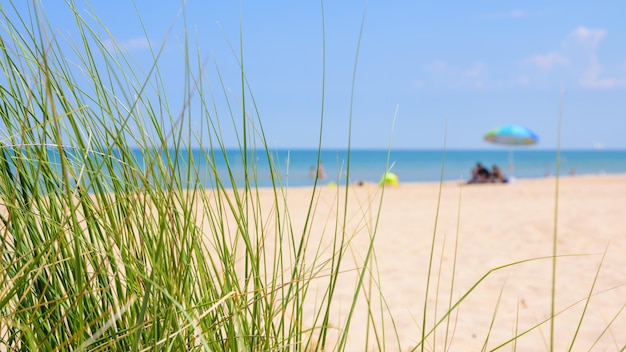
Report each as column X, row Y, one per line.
column 390, row 178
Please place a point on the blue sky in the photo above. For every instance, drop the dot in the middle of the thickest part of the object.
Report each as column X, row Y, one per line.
column 478, row 64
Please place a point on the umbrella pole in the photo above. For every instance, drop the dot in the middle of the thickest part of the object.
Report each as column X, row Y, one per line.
column 511, row 165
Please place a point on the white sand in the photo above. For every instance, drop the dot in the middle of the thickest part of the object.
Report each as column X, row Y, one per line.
column 498, row 224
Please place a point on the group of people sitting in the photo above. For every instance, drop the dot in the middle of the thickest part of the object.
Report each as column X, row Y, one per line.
column 481, row 174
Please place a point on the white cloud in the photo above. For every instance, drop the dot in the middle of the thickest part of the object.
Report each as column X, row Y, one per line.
column 587, row 40
column 131, row 44
column 476, row 76
column 579, row 50
column 477, row 71
column 440, row 72
column 516, row 13
column 444, row 75
column 136, row 44
column 549, row 60
column 585, row 36
column 574, row 61
column 592, row 77
column 438, row 67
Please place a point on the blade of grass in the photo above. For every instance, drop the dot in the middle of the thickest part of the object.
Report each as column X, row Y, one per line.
column 556, row 217
column 433, row 240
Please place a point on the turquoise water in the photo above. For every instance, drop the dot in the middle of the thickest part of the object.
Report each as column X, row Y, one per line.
column 294, row 166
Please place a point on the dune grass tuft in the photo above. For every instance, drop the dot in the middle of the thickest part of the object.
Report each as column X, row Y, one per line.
column 110, row 237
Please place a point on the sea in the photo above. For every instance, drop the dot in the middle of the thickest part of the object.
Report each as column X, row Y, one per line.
column 296, row 167
column 203, row 168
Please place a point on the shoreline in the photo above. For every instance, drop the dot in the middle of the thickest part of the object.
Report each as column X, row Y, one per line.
column 332, row 183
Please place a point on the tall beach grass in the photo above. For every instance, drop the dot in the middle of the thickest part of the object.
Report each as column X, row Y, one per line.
column 114, row 239
column 105, row 248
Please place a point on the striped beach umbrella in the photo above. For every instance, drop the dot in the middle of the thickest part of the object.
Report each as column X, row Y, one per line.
column 512, row 136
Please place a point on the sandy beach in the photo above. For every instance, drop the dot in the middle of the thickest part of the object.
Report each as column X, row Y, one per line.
column 477, row 228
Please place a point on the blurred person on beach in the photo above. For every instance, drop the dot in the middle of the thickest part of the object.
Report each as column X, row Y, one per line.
column 497, row 176
column 317, row 172
column 480, row 174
